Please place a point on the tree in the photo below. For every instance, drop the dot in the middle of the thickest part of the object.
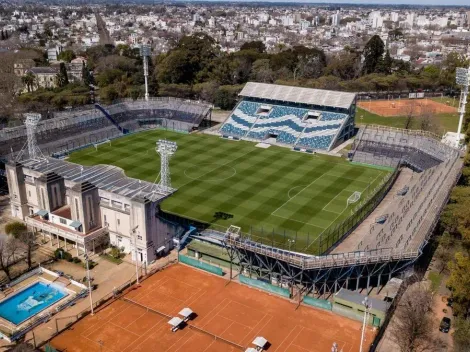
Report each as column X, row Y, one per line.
column 373, row 52
column 29, row 79
column 8, row 254
column 20, row 232
column 62, row 77
column 256, row 45
column 261, row 72
column 459, row 282
column 412, row 327
column 66, row 55
column 86, row 75
column 462, row 335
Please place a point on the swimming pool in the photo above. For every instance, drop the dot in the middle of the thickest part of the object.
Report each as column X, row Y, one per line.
column 30, row 301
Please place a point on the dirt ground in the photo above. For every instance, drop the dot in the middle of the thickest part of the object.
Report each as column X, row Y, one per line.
column 235, row 313
column 405, row 107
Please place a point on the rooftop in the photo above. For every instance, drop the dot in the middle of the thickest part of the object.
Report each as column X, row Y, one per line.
column 106, row 177
column 309, row 96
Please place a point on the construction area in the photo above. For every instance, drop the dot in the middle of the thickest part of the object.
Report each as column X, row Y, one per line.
column 226, row 317
column 405, row 107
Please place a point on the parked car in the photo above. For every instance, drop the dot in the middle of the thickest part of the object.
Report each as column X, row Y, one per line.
column 58, row 272
column 450, row 302
column 445, row 325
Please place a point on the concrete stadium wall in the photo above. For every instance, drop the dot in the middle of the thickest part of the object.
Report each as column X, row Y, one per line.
column 264, row 286
column 318, row 303
column 200, row 265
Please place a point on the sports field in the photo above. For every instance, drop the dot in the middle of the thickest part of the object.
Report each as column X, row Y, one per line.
column 272, row 189
column 406, row 107
column 230, row 317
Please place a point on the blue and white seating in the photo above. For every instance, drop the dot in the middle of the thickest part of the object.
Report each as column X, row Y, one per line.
column 286, row 122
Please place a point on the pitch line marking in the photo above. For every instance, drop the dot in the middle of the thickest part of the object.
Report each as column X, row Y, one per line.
column 224, row 164
column 303, row 189
column 333, row 200
column 301, row 222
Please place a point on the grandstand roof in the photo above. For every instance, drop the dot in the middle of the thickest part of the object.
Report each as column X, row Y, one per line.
column 106, row 177
column 309, row 96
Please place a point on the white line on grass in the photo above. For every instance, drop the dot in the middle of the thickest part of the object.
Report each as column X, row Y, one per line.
column 303, row 189
column 204, row 174
column 380, row 173
column 333, row 200
column 301, row 222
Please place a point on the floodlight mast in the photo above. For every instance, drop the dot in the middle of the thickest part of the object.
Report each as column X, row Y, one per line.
column 166, row 149
column 462, row 79
column 145, row 53
column 31, row 123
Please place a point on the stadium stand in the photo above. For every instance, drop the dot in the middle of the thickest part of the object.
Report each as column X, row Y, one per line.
column 69, row 129
column 388, row 147
column 298, row 117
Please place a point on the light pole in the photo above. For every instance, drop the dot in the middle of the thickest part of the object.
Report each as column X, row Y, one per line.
column 89, row 283
column 462, row 79
column 291, row 242
column 367, row 306
column 135, row 251
column 145, row 53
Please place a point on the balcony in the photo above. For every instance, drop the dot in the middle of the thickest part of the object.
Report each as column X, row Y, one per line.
column 69, row 234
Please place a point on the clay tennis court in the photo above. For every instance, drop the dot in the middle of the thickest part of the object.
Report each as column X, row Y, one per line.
column 233, row 312
column 405, row 107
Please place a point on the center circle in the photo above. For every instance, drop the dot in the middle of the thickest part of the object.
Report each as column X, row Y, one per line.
column 204, row 172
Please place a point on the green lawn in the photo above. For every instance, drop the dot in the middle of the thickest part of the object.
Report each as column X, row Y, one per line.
column 446, row 122
column 272, row 189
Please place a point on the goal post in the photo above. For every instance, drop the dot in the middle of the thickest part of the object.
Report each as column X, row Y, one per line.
column 96, row 145
column 353, row 198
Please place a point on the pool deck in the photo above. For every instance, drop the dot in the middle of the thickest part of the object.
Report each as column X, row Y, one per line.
column 71, row 289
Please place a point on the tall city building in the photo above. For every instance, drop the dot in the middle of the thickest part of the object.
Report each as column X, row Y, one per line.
column 335, row 19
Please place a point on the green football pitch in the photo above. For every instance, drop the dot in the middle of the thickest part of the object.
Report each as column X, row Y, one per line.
column 263, row 190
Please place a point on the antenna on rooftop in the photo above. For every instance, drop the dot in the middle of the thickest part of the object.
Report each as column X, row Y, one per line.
column 145, row 53
column 166, row 149
column 462, row 79
column 31, row 122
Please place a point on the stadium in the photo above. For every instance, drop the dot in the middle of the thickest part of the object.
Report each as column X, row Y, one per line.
column 267, row 187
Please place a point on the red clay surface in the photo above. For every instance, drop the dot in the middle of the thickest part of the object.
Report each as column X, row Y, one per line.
column 405, row 107
column 234, row 312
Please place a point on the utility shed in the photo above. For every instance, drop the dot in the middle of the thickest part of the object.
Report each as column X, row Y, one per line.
column 349, row 304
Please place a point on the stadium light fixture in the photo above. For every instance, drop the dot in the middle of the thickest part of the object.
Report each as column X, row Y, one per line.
column 145, row 51
column 462, row 79
column 166, row 149
column 367, row 306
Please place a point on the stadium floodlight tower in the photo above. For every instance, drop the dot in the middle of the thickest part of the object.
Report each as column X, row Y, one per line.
column 145, row 53
column 462, row 79
column 31, row 123
column 166, row 149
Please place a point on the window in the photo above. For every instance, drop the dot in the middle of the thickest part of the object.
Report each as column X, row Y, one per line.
column 139, row 237
column 90, row 208
column 118, row 222
column 63, row 221
column 29, row 194
column 43, row 199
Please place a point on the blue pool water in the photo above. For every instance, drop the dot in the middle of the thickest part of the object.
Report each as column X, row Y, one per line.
column 30, row 301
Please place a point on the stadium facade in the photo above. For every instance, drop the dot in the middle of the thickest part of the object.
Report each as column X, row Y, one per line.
column 302, row 118
column 89, row 207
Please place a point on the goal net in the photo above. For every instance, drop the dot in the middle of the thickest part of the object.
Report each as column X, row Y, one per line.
column 96, row 145
column 354, row 198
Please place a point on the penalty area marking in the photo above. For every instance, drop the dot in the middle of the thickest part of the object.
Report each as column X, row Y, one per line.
column 288, row 193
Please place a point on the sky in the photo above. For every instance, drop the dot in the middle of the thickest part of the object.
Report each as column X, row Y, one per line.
column 384, row 2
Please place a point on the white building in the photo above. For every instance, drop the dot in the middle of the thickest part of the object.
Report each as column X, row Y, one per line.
column 335, row 19
column 88, row 207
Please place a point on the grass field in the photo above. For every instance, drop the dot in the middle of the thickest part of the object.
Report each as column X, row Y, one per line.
column 275, row 189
